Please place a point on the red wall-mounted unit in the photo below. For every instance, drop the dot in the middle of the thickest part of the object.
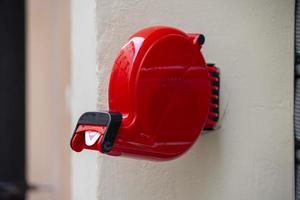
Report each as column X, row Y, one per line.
column 162, row 94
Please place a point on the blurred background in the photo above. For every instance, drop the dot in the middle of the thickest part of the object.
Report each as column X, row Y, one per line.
column 52, row 52
column 35, row 113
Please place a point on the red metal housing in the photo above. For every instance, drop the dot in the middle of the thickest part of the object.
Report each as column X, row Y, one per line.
column 165, row 94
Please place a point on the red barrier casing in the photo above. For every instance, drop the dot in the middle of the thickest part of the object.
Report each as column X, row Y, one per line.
column 165, row 93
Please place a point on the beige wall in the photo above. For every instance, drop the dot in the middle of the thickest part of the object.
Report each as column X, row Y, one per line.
column 251, row 156
column 48, row 116
column 84, row 167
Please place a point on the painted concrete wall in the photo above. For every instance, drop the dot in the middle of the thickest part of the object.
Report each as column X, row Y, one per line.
column 251, row 156
column 84, row 173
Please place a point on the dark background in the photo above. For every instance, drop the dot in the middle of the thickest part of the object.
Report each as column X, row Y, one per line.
column 12, row 99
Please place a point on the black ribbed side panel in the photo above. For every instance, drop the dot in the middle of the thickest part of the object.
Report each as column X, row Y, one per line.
column 297, row 110
column 297, row 100
column 298, row 182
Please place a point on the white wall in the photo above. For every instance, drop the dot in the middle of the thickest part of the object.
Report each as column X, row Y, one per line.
column 251, row 156
column 83, row 93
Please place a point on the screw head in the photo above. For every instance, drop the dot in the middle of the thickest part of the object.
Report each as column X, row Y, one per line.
column 107, row 146
column 201, row 39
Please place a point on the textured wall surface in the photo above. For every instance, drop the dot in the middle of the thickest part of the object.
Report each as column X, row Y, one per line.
column 251, row 156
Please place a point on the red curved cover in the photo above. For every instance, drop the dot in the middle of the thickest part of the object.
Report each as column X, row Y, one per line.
column 161, row 85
